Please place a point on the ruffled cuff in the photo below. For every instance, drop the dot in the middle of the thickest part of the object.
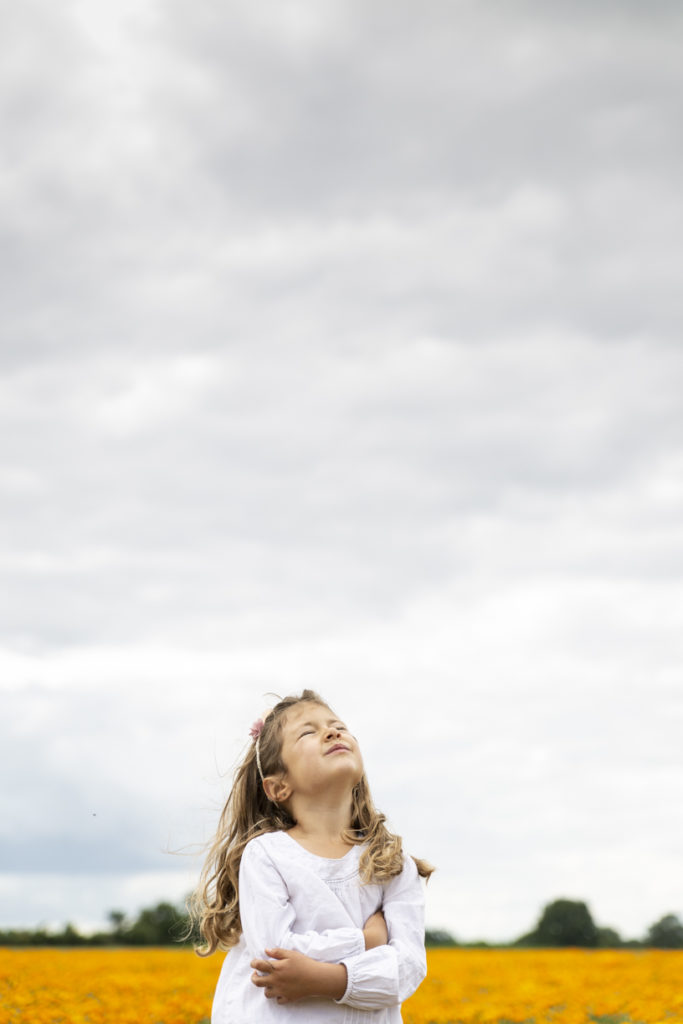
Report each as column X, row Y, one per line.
column 371, row 979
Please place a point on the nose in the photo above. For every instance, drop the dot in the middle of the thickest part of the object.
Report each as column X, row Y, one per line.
column 332, row 731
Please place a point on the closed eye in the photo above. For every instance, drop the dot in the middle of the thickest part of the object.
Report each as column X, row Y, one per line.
column 311, row 731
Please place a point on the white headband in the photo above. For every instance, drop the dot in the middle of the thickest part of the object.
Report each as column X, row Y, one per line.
column 258, row 758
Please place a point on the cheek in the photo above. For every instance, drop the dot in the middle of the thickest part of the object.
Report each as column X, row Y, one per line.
column 307, row 754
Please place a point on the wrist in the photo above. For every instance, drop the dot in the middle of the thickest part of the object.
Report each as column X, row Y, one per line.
column 331, row 980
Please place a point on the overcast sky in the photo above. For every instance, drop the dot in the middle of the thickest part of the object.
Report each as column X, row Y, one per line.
column 341, row 347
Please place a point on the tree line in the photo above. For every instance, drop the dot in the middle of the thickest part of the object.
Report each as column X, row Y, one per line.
column 570, row 923
column 561, row 923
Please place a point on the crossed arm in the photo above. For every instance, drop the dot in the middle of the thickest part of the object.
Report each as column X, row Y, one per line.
column 290, row 975
column 376, row 966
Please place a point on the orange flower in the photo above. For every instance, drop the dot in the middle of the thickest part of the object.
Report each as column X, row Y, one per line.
column 463, row 986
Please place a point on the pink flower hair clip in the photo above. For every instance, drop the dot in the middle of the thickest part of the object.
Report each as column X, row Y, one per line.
column 256, row 728
column 255, row 733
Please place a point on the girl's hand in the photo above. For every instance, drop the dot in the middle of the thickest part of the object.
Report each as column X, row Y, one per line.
column 375, row 931
column 290, row 975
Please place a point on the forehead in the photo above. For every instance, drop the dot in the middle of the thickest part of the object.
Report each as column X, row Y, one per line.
column 308, row 712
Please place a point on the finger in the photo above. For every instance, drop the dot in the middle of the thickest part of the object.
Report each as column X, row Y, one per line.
column 259, row 980
column 261, row 965
column 276, row 954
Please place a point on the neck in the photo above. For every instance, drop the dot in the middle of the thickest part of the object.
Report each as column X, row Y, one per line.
column 320, row 822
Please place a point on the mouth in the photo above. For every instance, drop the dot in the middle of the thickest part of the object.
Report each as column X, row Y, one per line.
column 337, row 747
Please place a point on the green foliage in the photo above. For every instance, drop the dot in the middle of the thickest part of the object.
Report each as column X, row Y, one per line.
column 562, row 923
column 439, row 937
column 608, row 938
column 667, row 933
column 155, row 926
column 567, row 923
column 160, row 925
column 117, row 920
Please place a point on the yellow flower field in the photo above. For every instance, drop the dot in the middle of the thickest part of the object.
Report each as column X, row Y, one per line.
column 173, row 986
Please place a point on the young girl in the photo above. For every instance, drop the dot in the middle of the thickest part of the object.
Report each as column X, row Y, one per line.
column 321, row 912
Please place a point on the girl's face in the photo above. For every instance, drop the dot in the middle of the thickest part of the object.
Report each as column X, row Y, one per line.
column 318, row 750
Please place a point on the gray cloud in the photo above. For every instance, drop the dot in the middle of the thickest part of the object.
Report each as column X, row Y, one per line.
column 342, row 349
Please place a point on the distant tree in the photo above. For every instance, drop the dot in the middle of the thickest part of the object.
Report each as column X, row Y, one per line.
column 667, row 933
column 155, row 926
column 117, row 920
column 563, row 923
column 608, row 938
column 439, row 937
column 70, row 936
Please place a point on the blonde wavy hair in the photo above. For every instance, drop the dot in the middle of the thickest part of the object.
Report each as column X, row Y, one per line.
column 214, row 906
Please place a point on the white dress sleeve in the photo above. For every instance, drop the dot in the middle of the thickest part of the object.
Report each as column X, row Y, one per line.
column 267, row 915
column 386, row 975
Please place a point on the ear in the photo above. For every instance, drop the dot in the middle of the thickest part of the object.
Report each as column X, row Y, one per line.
column 276, row 788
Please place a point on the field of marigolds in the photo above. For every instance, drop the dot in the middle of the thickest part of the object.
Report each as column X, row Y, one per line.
column 463, row 986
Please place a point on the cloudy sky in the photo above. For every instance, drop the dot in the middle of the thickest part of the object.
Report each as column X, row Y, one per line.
column 341, row 347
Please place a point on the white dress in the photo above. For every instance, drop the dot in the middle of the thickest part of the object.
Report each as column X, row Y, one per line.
column 296, row 900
